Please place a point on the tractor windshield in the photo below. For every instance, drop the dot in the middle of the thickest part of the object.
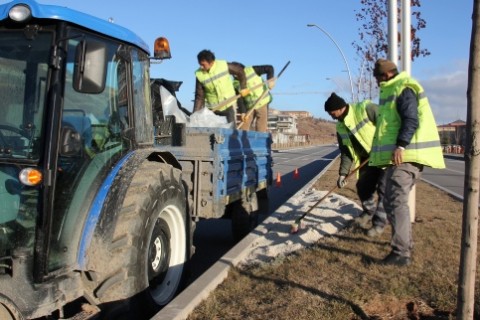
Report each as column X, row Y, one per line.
column 23, row 76
column 24, row 62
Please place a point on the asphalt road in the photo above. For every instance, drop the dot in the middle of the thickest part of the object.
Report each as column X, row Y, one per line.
column 213, row 238
column 450, row 179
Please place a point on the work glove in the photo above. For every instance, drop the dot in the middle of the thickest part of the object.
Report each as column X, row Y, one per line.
column 245, row 92
column 244, row 117
column 341, row 182
column 271, row 84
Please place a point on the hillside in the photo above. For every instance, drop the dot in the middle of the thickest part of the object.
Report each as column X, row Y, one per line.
column 317, row 129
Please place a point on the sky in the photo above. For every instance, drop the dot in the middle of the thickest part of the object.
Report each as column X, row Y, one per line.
column 274, row 32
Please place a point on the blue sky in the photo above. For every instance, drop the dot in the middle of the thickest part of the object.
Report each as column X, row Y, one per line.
column 274, row 32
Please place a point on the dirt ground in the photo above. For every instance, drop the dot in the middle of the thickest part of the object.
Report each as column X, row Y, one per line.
column 430, row 204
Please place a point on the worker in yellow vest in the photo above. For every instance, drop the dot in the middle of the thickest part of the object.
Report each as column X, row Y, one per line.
column 214, row 84
column 406, row 140
column 355, row 130
column 254, row 107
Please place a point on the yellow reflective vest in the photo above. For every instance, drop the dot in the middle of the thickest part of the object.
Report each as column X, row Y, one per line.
column 254, row 79
column 356, row 123
column 217, row 84
column 424, row 148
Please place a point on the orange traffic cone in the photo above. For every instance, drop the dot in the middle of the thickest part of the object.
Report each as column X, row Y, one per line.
column 295, row 174
column 279, row 180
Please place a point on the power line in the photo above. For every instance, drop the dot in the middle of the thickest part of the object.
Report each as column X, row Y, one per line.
column 298, row 93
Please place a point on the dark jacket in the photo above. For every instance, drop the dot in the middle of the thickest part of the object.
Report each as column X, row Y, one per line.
column 407, row 107
column 264, row 69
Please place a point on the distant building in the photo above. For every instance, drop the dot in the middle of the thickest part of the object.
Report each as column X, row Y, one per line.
column 283, row 128
column 282, row 123
column 298, row 114
column 285, row 121
column 453, row 133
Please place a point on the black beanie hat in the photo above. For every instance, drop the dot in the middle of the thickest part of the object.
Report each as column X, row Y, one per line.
column 334, row 102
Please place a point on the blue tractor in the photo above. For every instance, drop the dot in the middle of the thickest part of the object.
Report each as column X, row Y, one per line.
column 97, row 208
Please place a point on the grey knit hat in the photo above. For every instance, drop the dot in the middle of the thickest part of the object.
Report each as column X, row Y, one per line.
column 382, row 66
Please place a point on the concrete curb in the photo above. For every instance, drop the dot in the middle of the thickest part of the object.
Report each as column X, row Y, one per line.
column 180, row 307
column 454, row 156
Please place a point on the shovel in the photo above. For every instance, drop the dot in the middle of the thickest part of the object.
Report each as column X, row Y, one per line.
column 295, row 226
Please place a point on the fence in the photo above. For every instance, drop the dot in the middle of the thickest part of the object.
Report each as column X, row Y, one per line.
column 453, row 148
column 301, row 144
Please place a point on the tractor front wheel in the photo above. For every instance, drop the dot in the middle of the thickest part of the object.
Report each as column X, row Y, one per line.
column 150, row 245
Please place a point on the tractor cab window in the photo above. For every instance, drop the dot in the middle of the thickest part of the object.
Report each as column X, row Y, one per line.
column 23, row 76
column 24, row 66
column 142, row 98
column 101, row 123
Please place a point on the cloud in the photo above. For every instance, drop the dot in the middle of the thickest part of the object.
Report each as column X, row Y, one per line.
column 447, row 93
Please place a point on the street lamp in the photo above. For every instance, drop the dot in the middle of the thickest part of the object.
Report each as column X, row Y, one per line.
column 339, row 86
column 341, row 52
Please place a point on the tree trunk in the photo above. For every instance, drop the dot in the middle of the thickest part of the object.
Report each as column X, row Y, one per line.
column 466, row 282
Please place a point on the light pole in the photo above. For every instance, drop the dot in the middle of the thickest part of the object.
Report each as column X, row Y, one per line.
column 341, row 52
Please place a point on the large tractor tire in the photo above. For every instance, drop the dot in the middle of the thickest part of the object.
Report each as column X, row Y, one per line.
column 150, row 246
column 244, row 216
column 8, row 311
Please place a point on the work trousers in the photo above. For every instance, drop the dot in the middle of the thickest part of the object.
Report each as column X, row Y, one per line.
column 260, row 116
column 370, row 181
column 399, row 181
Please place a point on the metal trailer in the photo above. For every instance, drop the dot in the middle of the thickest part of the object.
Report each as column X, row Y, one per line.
column 97, row 201
column 228, row 172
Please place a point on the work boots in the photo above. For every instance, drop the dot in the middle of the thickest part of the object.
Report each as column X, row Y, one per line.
column 396, row 260
column 363, row 220
column 375, row 231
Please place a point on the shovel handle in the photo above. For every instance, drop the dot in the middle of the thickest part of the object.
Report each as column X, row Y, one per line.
column 333, row 189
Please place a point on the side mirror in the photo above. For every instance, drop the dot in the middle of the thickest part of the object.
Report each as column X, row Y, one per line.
column 70, row 142
column 90, row 67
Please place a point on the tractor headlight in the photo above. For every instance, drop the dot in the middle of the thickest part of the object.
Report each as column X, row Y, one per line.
column 20, row 13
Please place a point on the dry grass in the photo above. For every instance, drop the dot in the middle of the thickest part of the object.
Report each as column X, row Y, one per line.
column 339, row 277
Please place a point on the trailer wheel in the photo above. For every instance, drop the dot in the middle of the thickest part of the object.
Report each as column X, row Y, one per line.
column 244, row 216
column 151, row 245
column 263, row 204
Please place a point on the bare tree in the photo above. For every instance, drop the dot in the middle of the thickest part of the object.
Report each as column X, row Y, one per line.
column 373, row 43
column 468, row 256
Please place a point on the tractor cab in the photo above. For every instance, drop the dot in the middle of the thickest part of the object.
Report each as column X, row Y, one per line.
column 75, row 102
